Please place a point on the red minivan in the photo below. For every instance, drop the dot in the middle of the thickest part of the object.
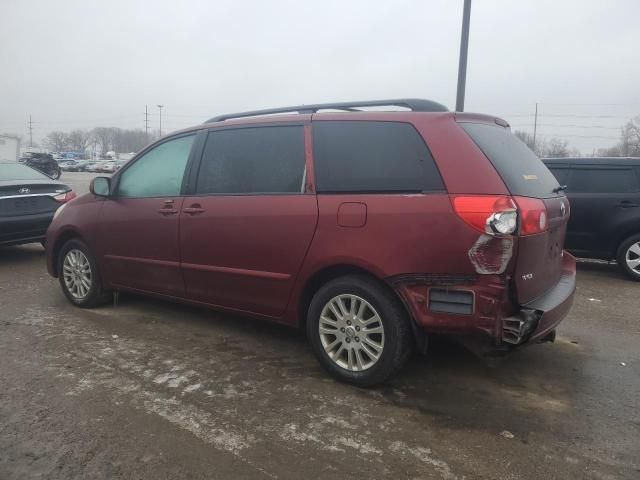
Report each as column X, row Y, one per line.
column 371, row 229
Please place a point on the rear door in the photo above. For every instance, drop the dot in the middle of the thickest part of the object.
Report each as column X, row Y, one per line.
column 139, row 223
column 247, row 225
column 539, row 256
column 602, row 196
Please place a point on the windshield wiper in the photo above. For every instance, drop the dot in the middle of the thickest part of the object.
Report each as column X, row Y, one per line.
column 559, row 188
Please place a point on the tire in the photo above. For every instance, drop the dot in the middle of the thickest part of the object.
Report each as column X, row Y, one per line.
column 629, row 251
column 360, row 366
column 57, row 173
column 80, row 255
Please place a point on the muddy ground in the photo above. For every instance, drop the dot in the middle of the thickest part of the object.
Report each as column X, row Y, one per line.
column 152, row 390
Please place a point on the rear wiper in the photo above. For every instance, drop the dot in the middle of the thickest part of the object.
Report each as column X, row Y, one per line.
column 559, row 188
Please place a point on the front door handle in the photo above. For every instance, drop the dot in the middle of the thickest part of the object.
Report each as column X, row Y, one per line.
column 193, row 210
column 168, row 211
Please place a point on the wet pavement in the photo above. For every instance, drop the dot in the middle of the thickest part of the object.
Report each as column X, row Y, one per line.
column 154, row 390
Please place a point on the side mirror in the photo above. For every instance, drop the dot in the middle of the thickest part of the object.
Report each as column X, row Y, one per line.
column 100, row 186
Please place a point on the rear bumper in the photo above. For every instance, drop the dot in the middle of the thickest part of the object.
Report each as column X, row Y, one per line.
column 24, row 228
column 481, row 307
column 538, row 318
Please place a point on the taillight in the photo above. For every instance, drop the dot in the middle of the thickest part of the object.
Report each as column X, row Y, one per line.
column 65, row 197
column 533, row 215
column 492, row 214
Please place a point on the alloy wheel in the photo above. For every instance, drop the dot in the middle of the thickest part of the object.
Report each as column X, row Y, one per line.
column 351, row 332
column 632, row 257
column 77, row 274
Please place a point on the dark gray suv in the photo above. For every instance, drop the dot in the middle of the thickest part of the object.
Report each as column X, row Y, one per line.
column 604, row 194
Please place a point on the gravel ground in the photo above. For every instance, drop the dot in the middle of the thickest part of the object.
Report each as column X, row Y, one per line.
column 153, row 390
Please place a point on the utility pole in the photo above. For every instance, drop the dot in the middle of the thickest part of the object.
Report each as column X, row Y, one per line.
column 146, row 122
column 30, row 132
column 160, row 108
column 535, row 127
column 462, row 64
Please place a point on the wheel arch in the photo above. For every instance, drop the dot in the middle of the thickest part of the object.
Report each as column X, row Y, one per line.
column 328, row 273
column 621, row 236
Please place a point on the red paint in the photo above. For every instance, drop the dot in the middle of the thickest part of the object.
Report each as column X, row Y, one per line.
column 256, row 253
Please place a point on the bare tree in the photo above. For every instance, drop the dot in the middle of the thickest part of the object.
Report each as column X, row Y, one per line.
column 57, row 141
column 526, row 138
column 629, row 145
column 556, row 148
column 79, row 140
column 104, row 137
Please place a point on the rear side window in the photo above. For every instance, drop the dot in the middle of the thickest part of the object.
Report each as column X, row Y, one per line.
column 521, row 170
column 253, row 160
column 361, row 156
column 603, row 180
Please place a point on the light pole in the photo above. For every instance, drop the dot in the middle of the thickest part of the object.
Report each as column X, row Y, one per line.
column 160, row 108
column 462, row 65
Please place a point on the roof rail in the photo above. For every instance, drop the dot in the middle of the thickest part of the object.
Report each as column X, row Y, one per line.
column 414, row 104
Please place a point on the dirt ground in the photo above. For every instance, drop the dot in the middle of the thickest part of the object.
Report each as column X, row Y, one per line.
column 152, row 390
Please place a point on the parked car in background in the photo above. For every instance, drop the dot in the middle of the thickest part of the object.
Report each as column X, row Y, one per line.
column 44, row 162
column 92, row 167
column 28, row 201
column 107, row 167
column 67, row 165
column 79, row 166
column 371, row 230
column 605, row 208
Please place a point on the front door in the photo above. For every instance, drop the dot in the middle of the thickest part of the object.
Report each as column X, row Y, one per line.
column 139, row 222
column 246, row 228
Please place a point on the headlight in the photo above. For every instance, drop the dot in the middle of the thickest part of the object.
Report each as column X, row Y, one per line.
column 59, row 210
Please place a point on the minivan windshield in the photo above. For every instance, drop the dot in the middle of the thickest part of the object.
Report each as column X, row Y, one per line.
column 522, row 171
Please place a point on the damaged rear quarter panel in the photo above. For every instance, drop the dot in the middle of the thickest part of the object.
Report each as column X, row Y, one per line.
column 491, row 254
column 491, row 259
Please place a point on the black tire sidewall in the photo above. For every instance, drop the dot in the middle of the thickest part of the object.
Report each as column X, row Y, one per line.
column 621, row 257
column 96, row 295
column 396, row 347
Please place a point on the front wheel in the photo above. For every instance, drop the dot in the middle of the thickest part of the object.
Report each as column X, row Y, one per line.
column 628, row 257
column 358, row 330
column 57, row 173
column 78, row 275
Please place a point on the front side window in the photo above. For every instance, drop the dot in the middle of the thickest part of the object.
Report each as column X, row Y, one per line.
column 159, row 172
column 603, row 180
column 369, row 156
column 253, row 160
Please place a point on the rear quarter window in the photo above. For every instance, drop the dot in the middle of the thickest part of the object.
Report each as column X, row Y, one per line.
column 521, row 170
column 364, row 156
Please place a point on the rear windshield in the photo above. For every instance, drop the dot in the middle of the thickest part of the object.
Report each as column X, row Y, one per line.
column 16, row 171
column 522, row 171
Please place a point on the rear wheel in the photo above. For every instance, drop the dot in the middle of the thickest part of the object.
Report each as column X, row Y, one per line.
column 358, row 330
column 628, row 257
column 78, row 275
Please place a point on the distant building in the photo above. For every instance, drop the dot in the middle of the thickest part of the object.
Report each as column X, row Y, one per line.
column 9, row 148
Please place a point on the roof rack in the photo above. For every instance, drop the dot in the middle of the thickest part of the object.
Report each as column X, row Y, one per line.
column 414, row 104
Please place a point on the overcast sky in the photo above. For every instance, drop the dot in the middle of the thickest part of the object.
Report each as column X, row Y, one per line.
column 92, row 63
